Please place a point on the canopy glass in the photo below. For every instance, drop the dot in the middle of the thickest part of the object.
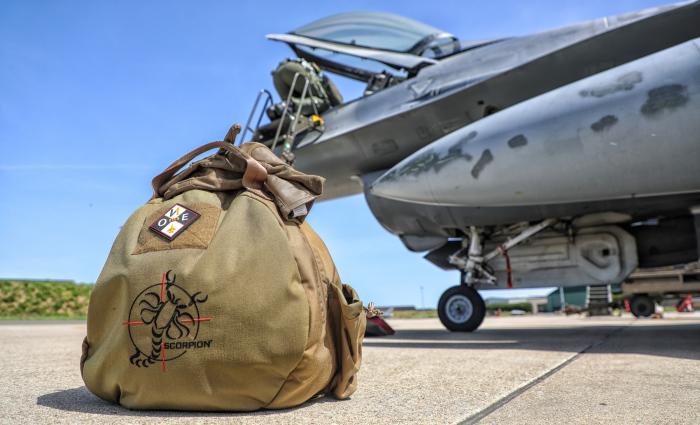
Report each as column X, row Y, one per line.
column 375, row 30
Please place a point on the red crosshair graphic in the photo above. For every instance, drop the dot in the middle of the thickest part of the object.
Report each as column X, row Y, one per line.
column 162, row 345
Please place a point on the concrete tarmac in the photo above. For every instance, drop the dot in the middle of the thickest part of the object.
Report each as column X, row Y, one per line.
column 525, row 370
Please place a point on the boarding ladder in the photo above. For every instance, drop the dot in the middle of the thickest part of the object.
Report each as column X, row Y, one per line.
column 298, row 124
column 598, row 299
column 263, row 94
column 294, row 129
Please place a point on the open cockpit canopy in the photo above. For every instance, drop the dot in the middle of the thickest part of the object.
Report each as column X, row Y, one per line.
column 359, row 45
column 383, row 31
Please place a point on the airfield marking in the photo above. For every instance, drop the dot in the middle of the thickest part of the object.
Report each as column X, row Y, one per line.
column 478, row 416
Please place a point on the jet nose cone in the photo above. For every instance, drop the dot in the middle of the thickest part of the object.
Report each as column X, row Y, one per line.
column 406, row 181
column 454, row 170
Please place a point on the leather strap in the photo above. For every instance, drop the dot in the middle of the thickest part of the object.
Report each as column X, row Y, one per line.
column 254, row 175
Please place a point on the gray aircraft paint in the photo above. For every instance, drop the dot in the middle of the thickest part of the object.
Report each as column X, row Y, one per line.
column 596, row 119
column 606, row 137
column 458, row 90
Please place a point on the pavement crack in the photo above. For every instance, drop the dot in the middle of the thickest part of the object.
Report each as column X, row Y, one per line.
column 478, row 416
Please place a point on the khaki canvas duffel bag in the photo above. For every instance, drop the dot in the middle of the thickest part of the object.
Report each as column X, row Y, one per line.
column 217, row 295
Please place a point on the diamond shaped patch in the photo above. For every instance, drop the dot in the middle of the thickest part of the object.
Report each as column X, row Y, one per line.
column 171, row 224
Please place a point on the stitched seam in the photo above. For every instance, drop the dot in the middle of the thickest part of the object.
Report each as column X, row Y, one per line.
column 317, row 272
column 301, row 358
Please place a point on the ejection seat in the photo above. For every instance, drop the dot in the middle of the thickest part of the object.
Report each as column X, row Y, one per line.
column 305, row 92
column 322, row 93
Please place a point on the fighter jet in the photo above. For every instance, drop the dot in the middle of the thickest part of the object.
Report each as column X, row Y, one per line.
column 564, row 158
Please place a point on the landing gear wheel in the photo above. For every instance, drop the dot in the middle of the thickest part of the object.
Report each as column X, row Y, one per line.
column 642, row 306
column 461, row 309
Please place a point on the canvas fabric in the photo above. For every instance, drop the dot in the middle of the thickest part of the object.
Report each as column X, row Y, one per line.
column 243, row 310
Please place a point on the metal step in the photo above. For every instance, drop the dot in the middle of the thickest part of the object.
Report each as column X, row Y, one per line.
column 598, row 299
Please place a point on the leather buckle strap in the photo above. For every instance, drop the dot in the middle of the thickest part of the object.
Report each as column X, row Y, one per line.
column 254, row 175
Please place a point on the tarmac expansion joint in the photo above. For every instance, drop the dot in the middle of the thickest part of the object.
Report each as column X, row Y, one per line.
column 481, row 414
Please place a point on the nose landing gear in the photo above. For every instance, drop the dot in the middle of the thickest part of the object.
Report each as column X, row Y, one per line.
column 461, row 309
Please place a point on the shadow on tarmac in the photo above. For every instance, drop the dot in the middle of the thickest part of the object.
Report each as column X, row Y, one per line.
column 81, row 400
column 669, row 339
column 677, row 340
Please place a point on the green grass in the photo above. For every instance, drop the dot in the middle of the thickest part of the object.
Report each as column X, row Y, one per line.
column 415, row 314
column 31, row 299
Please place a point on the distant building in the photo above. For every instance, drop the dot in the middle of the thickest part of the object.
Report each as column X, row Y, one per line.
column 572, row 296
column 536, row 303
column 576, row 296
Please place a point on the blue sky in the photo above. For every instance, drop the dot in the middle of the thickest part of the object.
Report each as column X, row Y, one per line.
column 97, row 97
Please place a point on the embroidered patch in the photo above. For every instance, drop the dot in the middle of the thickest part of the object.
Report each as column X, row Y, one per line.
column 171, row 224
column 197, row 236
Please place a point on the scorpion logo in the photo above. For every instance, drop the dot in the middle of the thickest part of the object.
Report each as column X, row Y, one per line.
column 164, row 317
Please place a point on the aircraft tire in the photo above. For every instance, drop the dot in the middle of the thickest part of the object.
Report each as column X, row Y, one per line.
column 461, row 309
column 642, row 306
